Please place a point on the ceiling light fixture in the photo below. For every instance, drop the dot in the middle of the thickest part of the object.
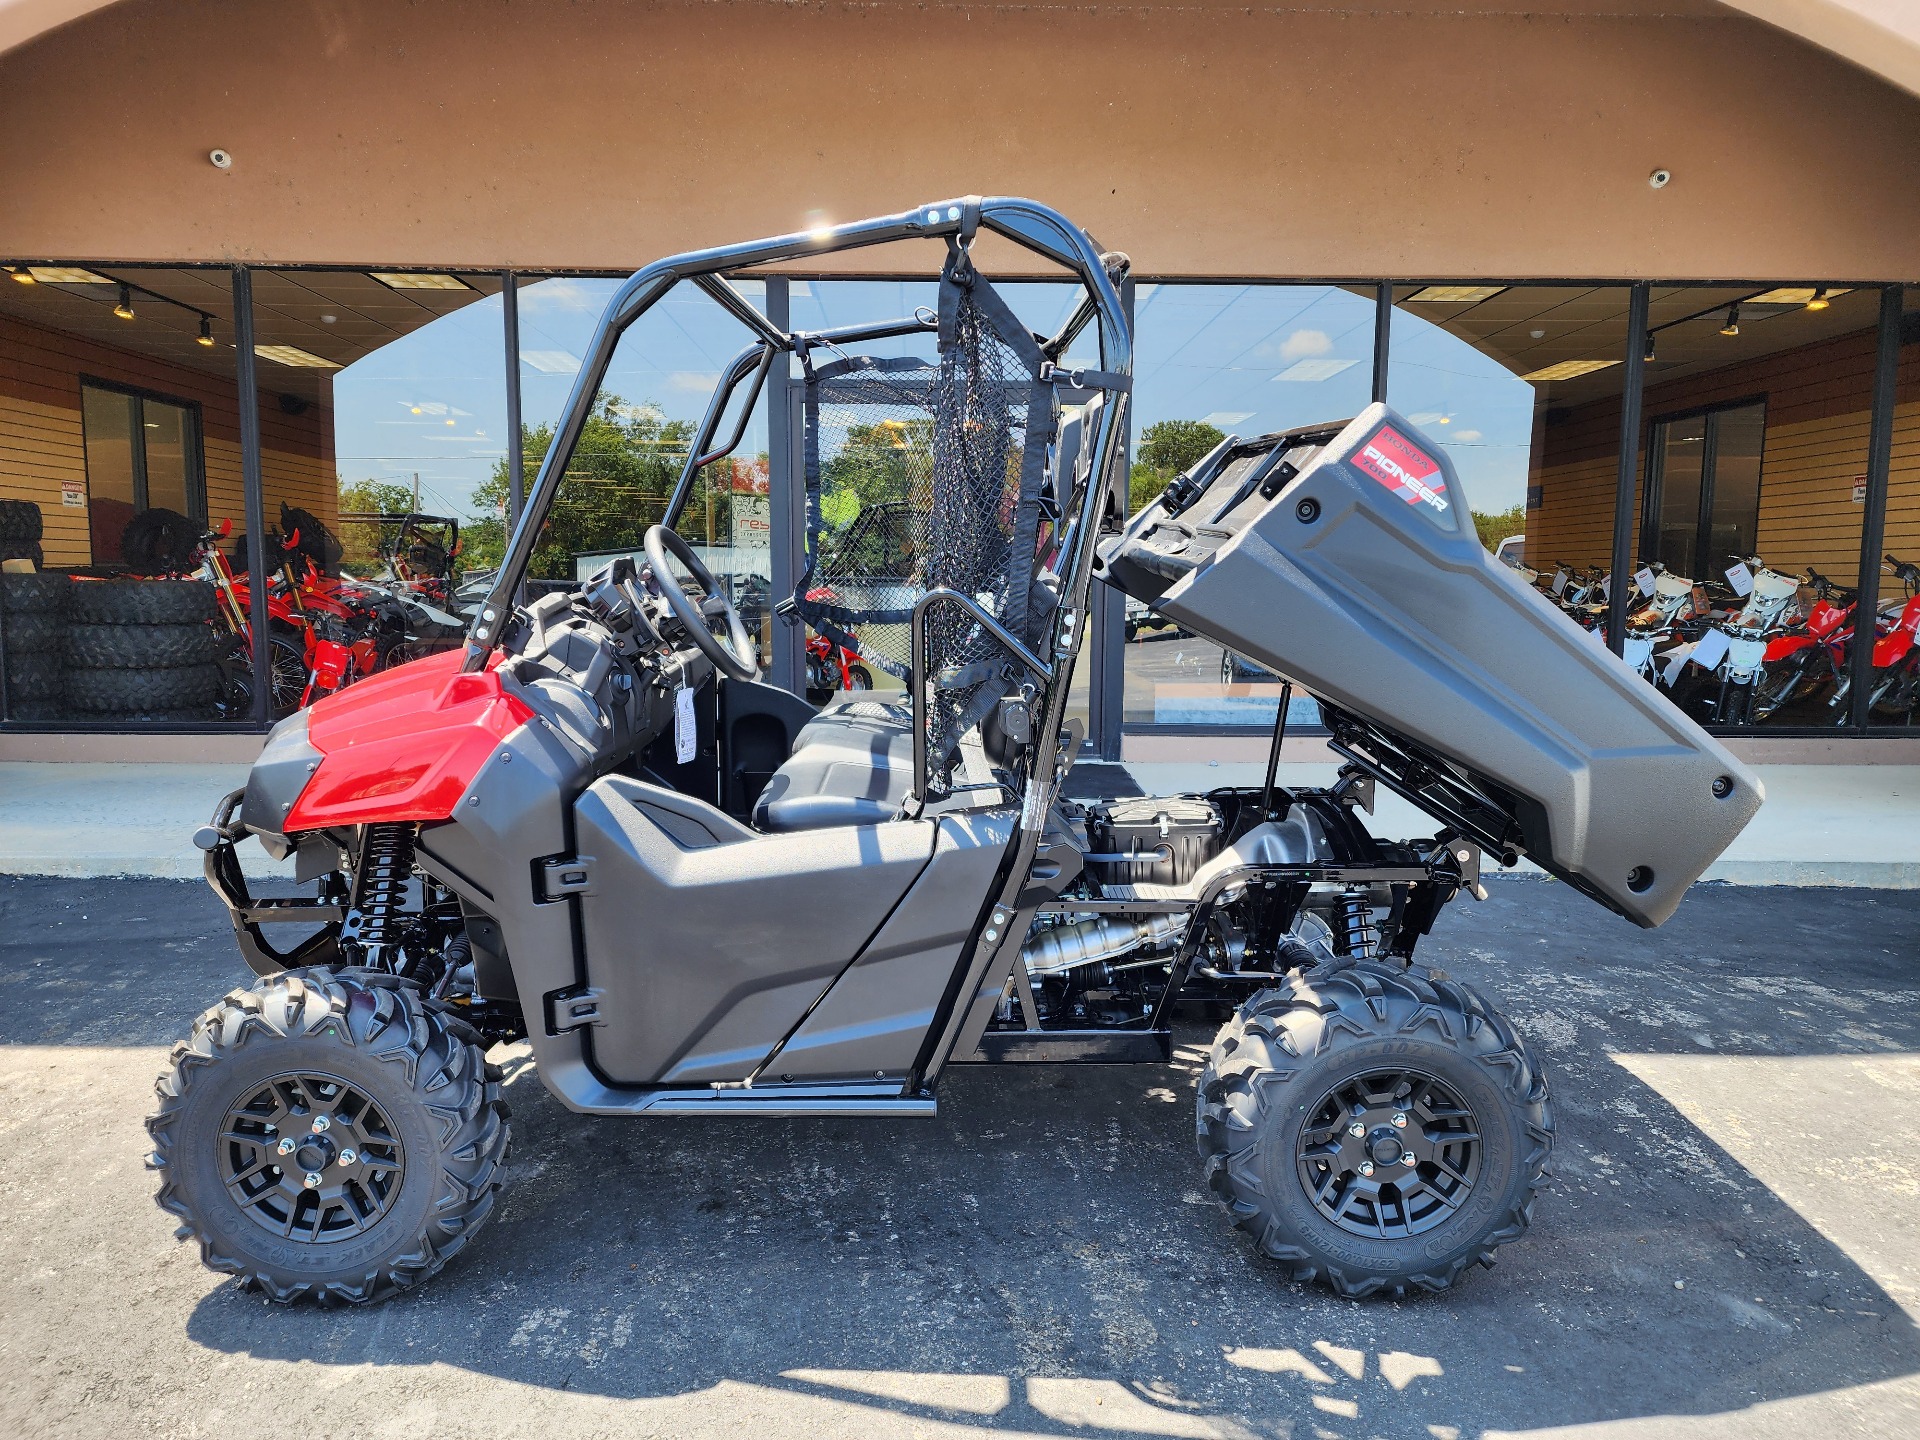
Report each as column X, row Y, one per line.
column 1649, row 356
column 206, row 332
column 395, row 280
column 25, row 277
column 65, row 275
column 125, row 308
column 1799, row 295
column 293, row 355
column 1818, row 300
column 1568, row 370
column 1732, row 327
column 1454, row 294
column 1312, row 371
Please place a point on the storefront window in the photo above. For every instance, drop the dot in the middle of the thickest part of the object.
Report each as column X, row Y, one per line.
column 1895, row 697
column 119, row 440
column 382, row 440
column 646, row 416
column 1212, row 361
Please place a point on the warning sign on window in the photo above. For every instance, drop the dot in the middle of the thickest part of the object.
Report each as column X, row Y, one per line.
column 73, row 494
column 1404, row 468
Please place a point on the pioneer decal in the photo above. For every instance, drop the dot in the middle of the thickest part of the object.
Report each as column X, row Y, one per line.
column 1404, row 468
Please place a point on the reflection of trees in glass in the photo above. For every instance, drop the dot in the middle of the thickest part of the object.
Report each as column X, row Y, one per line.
column 1498, row 526
column 361, row 541
column 617, row 484
column 878, row 464
column 1166, row 448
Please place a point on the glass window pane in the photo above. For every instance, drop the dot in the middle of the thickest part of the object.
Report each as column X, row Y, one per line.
column 646, row 416
column 112, row 420
column 1209, row 361
column 1895, row 698
column 1739, row 435
column 172, row 461
column 1680, row 447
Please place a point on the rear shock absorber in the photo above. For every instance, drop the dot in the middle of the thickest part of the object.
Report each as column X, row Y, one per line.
column 1354, row 932
column 376, row 917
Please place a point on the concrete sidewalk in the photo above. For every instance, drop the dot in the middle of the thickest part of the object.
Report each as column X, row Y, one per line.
column 1855, row 825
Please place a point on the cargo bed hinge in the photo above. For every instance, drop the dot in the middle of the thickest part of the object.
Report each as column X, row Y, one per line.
column 573, row 1009
column 564, row 875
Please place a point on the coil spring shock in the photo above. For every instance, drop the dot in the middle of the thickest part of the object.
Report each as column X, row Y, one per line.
column 375, row 919
column 1354, row 932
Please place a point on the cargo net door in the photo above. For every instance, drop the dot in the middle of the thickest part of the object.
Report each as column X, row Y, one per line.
column 924, row 475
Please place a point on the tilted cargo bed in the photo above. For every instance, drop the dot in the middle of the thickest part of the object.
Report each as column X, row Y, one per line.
column 1344, row 557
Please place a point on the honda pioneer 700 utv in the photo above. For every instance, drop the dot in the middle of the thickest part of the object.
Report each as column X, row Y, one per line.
column 691, row 894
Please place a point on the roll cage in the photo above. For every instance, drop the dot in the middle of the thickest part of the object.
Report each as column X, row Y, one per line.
column 1033, row 227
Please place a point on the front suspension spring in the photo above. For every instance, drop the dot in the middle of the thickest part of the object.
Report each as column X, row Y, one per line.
column 1354, row 932
column 376, row 917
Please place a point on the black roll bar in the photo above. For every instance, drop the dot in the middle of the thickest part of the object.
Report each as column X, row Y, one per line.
column 1027, row 223
column 941, row 594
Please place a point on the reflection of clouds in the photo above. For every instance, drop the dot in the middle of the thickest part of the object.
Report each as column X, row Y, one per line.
column 1303, row 344
column 565, row 296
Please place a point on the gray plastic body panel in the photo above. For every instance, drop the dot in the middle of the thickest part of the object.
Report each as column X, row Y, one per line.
column 1363, row 579
column 875, row 1019
column 707, row 956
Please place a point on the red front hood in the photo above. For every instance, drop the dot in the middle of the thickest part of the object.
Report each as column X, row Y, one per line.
column 404, row 744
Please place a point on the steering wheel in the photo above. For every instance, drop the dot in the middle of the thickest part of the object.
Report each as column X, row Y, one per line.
column 735, row 655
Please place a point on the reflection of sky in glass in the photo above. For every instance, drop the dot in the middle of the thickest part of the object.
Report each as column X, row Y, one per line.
column 1469, row 403
column 392, row 408
column 1247, row 358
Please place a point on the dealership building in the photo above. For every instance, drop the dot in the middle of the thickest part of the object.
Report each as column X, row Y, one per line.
column 1649, row 271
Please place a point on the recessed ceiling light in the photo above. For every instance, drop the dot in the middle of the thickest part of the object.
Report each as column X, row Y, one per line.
column 1538, row 334
column 328, row 319
column 1791, row 295
column 1569, row 369
column 65, row 275
column 395, row 281
column 1455, row 294
column 1310, row 371
column 295, row 356
column 550, row 362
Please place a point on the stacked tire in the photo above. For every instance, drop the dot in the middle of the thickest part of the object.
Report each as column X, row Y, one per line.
column 33, row 637
column 143, row 650
column 21, row 528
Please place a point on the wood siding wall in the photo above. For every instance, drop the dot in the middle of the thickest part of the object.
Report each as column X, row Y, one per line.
column 1818, row 401
column 42, row 444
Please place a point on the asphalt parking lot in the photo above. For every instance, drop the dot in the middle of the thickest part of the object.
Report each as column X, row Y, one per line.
column 1729, row 1247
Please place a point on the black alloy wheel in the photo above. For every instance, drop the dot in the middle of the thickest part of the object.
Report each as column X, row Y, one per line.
column 309, row 1157
column 1389, row 1153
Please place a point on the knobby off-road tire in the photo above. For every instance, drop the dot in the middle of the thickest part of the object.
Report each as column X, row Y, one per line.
column 35, row 633
column 1327, row 1044
column 187, row 687
column 34, row 594
column 143, row 647
column 142, row 602
column 20, row 522
column 35, row 677
column 418, row 1069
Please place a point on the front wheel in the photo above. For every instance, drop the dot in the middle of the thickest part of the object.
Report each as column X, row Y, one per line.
column 1374, row 1128
column 329, row 1138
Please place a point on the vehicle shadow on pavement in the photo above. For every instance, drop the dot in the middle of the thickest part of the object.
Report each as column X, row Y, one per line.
column 1042, row 1257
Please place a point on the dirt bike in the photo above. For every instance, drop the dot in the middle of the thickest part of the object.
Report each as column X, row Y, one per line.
column 1896, row 657
column 833, row 668
column 692, row 894
column 1809, row 652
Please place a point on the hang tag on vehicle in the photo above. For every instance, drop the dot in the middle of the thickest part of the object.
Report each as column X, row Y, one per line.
column 1559, row 582
column 1711, row 650
column 1741, row 579
column 686, row 734
column 1644, row 579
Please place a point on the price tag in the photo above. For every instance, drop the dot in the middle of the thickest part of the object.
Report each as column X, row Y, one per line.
column 686, row 734
column 1644, row 579
column 1676, row 659
column 1711, row 650
column 1560, row 582
column 1741, row 579
column 1605, row 585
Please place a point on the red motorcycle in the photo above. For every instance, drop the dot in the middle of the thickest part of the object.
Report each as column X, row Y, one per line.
column 1896, row 657
column 832, row 668
column 1811, row 653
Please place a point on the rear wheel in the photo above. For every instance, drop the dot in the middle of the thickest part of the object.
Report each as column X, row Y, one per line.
column 325, row 1138
column 859, row 678
column 1375, row 1128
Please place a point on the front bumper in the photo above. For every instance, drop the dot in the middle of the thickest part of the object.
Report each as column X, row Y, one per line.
column 219, row 840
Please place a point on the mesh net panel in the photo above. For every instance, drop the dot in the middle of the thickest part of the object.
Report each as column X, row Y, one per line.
column 914, row 478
